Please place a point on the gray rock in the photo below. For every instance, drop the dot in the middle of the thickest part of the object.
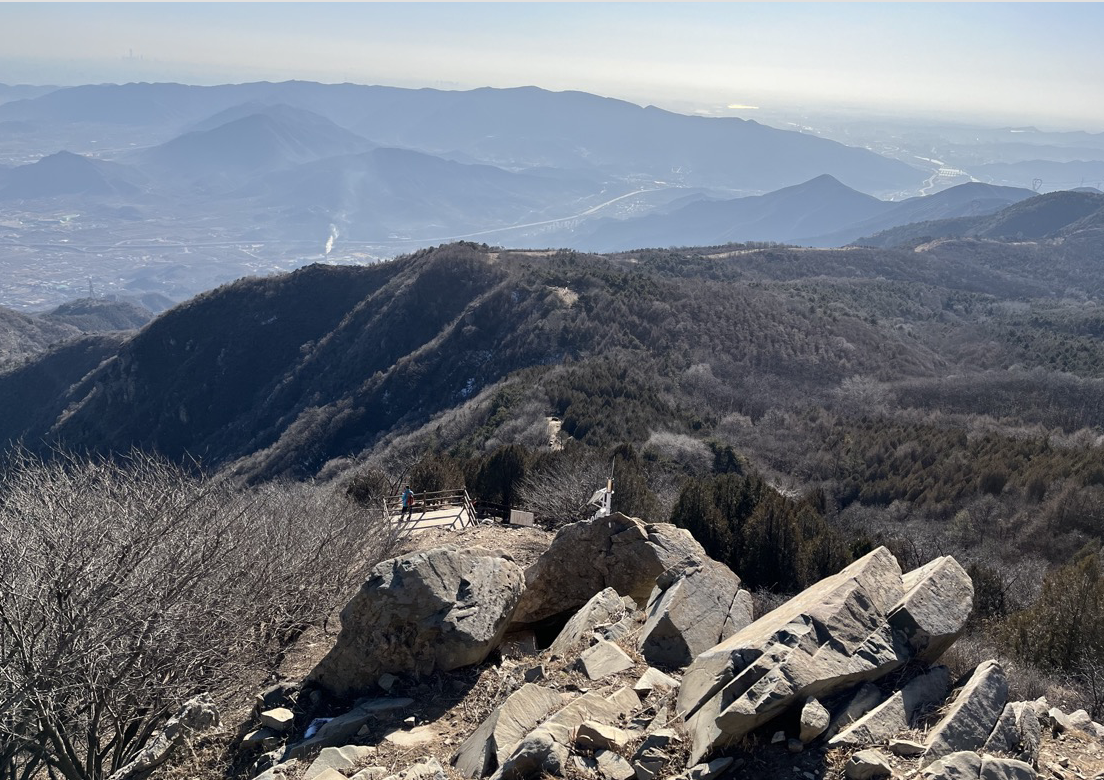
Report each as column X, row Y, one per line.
column 1081, row 720
column 653, row 679
column 545, row 749
column 195, row 716
column 865, row 698
column 710, row 770
column 1059, row 720
column 962, row 765
column 497, row 736
column 604, row 659
column 282, row 771
column 824, row 640
column 617, row 552
column 327, row 774
column 867, row 764
column 604, row 607
column 594, row 735
column 534, row 673
column 814, row 721
column 339, row 730
column 338, row 759
column 538, row 752
column 650, row 767
column 794, row 745
column 264, row 738
column 279, row 719
column 898, row 712
column 1005, row 769
column 370, row 773
column 907, row 748
column 278, row 694
column 1017, row 734
column 613, row 766
column 624, row 699
column 972, row 716
column 932, row 613
column 690, row 611
column 428, row 611
column 660, row 739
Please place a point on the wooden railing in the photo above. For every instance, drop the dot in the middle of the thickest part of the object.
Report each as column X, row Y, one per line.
column 432, row 509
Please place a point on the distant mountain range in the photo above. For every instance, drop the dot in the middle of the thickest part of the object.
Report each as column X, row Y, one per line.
column 1078, row 215
column 820, row 212
column 523, row 127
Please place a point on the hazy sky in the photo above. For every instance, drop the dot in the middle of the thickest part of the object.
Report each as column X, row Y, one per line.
column 1021, row 63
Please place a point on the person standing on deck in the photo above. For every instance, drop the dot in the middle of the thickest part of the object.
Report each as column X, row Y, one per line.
column 407, row 503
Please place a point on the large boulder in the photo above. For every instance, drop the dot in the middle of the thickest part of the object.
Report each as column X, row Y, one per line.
column 617, row 552
column 428, row 611
column 972, row 716
column 692, row 610
column 824, row 640
column 938, row 599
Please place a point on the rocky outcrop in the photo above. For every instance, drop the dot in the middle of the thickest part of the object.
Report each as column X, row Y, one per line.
column 824, row 640
column 1017, row 734
column 547, row 748
column 857, row 625
column 972, row 716
column 938, row 599
column 419, row 613
column 899, row 711
column 692, row 610
column 617, row 552
column 498, row 735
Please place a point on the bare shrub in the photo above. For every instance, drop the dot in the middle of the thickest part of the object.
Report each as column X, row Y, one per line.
column 692, row 454
column 129, row 587
column 557, row 489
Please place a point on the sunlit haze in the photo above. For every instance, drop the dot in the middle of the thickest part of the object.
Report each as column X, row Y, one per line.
column 1009, row 63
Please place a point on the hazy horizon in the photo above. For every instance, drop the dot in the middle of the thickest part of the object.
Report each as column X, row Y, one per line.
column 996, row 63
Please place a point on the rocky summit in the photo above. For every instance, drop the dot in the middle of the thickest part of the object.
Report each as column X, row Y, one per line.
column 623, row 652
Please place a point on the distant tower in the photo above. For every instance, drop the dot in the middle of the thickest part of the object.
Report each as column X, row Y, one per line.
column 91, row 294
